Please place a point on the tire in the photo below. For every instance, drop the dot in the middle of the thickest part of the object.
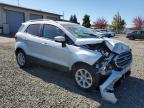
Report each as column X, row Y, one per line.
column 109, row 36
column 22, row 59
column 131, row 38
column 128, row 73
column 88, row 81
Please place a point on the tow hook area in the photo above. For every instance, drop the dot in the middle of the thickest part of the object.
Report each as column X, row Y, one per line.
column 107, row 90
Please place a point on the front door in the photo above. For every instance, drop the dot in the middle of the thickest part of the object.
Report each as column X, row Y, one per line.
column 138, row 35
column 142, row 34
column 54, row 51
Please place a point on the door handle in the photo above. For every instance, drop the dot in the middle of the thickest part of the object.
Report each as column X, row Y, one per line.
column 44, row 44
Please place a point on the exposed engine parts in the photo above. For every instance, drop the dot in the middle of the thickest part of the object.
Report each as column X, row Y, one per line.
column 105, row 67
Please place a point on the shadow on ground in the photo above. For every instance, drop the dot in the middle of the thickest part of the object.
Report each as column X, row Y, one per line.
column 130, row 94
column 138, row 40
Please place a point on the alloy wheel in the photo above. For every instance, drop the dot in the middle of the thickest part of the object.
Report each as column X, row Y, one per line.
column 83, row 78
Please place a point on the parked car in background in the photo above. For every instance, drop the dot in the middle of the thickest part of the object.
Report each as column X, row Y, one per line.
column 100, row 33
column 111, row 33
column 129, row 33
column 136, row 35
column 73, row 48
column 104, row 33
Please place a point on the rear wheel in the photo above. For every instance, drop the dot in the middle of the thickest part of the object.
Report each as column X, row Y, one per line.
column 132, row 38
column 22, row 59
column 85, row 77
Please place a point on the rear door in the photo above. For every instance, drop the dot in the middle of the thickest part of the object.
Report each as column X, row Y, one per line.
column 34, row 41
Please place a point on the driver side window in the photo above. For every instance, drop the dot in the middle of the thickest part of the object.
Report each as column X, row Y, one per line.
column 50, row 31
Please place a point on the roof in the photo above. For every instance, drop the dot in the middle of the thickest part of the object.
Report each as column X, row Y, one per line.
column 49, row 20
column 66, row 23
column 3, row 4
column 38, row 21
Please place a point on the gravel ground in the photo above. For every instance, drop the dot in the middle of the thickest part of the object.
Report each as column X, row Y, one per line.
column 41, row 87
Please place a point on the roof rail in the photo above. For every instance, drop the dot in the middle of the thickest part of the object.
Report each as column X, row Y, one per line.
column 39, row 20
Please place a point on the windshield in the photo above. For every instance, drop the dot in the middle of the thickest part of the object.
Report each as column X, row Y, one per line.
column 80, row 31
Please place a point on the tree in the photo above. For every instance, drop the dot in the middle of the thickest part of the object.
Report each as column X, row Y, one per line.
column 138, row 22
column 118, row 24
column 86, row 21
column 73, row 19
column 100, row 23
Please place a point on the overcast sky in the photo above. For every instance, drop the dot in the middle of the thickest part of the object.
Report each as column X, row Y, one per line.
column 128, row 9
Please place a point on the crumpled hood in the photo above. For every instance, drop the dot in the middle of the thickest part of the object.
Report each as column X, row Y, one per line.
column 114, row 45
column 88, row 41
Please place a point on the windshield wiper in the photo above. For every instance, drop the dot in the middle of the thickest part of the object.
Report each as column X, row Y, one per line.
column 91, row 34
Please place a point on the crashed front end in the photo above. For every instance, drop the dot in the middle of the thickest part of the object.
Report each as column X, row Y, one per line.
column 115, row 63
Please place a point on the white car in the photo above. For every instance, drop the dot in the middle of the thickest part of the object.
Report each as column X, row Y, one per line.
column 73, row 48
column 104, row 33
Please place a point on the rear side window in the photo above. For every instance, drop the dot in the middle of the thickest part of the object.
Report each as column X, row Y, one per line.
column 50, row 31
column 21, row 27
column 34, row 29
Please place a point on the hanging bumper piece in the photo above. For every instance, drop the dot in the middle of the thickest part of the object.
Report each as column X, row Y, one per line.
column 107, row 90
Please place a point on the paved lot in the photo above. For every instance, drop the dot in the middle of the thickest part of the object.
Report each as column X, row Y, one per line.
column 39, row 87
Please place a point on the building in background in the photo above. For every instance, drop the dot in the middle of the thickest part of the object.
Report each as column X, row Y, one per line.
column 12, row 16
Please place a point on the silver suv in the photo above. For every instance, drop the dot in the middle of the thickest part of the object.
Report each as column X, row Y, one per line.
column 76, row 49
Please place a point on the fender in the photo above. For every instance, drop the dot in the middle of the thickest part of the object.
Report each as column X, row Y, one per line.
column 86, row 57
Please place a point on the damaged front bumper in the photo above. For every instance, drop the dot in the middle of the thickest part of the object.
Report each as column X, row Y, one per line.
column 107, row 90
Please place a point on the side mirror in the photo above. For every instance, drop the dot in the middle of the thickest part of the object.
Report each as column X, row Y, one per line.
column 60, row 39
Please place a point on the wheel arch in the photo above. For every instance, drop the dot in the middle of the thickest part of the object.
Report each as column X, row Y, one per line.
column 21, row 46
column 79, row 63
column 18, row 49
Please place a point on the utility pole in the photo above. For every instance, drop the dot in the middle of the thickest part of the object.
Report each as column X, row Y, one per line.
column 18, row 3
column 63, row 15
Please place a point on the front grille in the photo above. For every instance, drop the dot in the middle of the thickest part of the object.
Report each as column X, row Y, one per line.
column 123, row 59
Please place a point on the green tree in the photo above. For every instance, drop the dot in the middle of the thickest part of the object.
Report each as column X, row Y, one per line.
column 86, row 21
column 118, row 24
column 73, row 19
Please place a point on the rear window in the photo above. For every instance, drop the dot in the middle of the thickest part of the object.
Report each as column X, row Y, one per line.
column 34, row 29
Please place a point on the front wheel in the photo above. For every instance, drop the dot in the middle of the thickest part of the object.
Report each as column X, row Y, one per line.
column 86, row 78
